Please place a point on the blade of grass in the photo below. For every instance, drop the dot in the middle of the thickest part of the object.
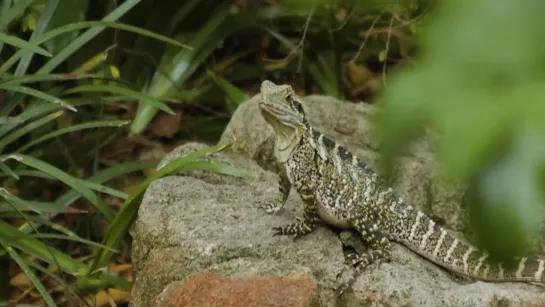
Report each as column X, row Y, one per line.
column 179, row 67
column 72, row 238
column 40, row 95
column 29, row 173
column 37, row 220
column 14, row 80
column 37, row 109
column 90, row 24
column 28, row 128
column 45, row 17
column 93, row 62
column 85, row 37
column 67, row 179
column 29, row 273
column 126, row 216
column 34, row 247
column 235, row 95
column 100, row 177
column 56, row 278
column 6, row 4
column 20, row 43
column 35, row 206
column 121, row 91
column 104, row 189
column 78, row 127
column 14, row 203
column 6, row 170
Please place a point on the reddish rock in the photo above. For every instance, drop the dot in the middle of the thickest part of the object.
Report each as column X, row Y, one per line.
column 212, row 289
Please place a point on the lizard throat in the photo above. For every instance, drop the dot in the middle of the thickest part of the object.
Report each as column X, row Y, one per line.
column 286, row 137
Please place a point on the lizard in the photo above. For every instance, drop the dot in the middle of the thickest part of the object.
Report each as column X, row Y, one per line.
column 338, row 188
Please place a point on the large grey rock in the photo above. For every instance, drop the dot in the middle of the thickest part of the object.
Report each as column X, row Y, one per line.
column 199, row 240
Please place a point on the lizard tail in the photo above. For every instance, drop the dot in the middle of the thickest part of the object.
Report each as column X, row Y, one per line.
column 422, row 235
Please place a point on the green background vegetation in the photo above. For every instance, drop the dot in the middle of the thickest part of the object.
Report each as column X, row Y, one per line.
column 85, row 86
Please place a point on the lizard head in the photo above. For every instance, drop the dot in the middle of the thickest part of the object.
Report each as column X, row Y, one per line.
column 283, row 111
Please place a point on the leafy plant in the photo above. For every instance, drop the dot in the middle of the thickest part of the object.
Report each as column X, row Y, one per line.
column 479, row 84
column 33, row 107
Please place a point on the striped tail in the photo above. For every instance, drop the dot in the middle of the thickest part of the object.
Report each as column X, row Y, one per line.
column 422, row 235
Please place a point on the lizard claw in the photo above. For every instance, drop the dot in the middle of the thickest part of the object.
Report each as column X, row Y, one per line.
column 278, row 231
column 342, row 289
column 270, row 207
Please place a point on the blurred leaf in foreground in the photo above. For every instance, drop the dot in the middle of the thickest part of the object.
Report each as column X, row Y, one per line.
column 480, row 85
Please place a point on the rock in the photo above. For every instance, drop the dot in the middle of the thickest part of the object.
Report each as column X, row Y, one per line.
column 212, row 289
column 209, row 223
column 199, row 240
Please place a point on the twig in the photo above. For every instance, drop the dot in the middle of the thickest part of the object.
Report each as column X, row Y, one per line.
column 302, row 43
column 367, row 36
column 386, row 52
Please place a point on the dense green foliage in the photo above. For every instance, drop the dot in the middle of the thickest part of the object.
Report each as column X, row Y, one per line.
column 479, row 84
column 36, row 106
column 468, row 69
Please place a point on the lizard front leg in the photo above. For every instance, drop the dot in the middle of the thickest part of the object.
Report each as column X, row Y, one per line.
column 379, row 248
column 307, row 223
column 284, row 186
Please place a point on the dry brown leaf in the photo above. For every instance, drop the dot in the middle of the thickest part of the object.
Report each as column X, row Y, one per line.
column 165, row 125
column 103, row 298
column 358, row 74
column 20, row 281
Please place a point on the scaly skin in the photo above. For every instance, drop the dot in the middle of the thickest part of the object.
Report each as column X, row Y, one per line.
column 340, row 189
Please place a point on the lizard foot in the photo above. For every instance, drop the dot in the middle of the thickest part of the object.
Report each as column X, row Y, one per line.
column 361, row 263
column 297, row 229
column 270, row 207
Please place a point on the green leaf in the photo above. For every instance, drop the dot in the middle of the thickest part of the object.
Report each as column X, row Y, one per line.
column 6, row 170
column 77, row 127
column 19, row 43
column 104, row 189
column 85, row 37
column 14, row 203
column 177, row 68
column 235, row 95
column 73, row 238
column 53, row 276
column 480, row 89
column 39, row 94
column 91, row 24
column 121, row 91
column 35, row 111
column 100, row 177
column 34, row 247
column 382, row 55
column 15, row 80
column 45, row 17
column 67, row 12
column 67, row 179
column 29, row 272
column 15, row 135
